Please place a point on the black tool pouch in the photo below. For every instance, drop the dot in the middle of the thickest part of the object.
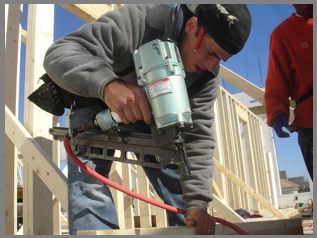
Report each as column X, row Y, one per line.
column 53, row 99
column 47, row 97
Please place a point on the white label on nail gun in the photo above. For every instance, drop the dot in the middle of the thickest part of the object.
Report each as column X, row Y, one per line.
column 159, row 87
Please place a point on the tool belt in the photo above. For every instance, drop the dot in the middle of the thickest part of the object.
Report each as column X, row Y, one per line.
column 53, row 99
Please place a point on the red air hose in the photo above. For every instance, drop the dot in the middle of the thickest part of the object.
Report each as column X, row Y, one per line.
column 110, row 183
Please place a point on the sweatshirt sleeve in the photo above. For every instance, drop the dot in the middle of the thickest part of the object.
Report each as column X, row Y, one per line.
column 278, row 82
column 83, row 61
column 200, row 145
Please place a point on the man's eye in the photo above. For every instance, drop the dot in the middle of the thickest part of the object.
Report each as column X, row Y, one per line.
column 211, row 53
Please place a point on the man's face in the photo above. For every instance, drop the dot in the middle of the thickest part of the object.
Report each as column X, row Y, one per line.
column 304, row 10
column 206, row 56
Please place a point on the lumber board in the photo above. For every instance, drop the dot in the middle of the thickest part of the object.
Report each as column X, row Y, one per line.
column 143, row 188
column 40, row 37
column 275, row 227
column 11, row 84
column 225, row 211
column 56, row 158
column 128, row 200
column 242, row 84
column 87, row 12
column 116, row 175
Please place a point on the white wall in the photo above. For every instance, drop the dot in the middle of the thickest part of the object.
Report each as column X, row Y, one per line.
column 289, row 200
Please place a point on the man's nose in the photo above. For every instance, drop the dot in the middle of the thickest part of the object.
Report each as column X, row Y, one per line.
column 211, row 62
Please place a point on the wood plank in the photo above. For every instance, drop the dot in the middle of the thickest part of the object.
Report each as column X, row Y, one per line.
column 128, row 200
column 27, row 194
column 160, row 214
column 11, row 84
column 143, row 188
column 6, row 11
column 276, row 227
column 57, row 223
column 216, row 190
column 40, row 37
column 226, row 212
column 219, row 155
column 88, row 12
column 253, row 182
column 242, row 84
column 118, row 197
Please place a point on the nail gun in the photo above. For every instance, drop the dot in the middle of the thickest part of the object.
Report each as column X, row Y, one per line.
column 160, row 73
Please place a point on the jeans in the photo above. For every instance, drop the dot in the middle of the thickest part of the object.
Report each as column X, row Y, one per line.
column 305, row 141
column 90, row 203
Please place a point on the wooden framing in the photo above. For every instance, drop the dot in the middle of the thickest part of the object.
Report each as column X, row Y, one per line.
column 34, row 154
column 240, row 177
column 249, row 190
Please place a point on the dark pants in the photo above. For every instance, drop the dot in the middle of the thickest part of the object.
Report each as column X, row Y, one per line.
column 305, row 141
column 90, row 202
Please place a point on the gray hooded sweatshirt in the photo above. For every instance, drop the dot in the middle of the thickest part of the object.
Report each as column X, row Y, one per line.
column 85, row 61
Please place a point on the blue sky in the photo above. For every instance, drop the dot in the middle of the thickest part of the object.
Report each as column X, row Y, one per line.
column 264, row 18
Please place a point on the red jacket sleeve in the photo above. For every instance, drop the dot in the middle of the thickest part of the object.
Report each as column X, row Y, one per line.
column 277, row 87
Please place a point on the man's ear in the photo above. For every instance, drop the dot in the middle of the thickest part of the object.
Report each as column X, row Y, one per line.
column 191, row 25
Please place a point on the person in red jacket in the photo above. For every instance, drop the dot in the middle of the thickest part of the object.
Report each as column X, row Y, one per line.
column 290, row 76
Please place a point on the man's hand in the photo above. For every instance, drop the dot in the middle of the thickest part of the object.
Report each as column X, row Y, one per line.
column 278, row 124
column 128, row 101
column 204, row 223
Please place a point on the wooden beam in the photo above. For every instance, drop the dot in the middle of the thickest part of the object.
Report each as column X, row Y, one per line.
column 127, row 200
column 226, row 212
column 54, row 179
column 116, row 176
column 11, row 84
column 143, row 188
column 57, row 223
column 276, row 227
column 242, row 84
column 216, row 190
column 240, row 183
column 87, row 12
column 160, row 214
column 40, row 37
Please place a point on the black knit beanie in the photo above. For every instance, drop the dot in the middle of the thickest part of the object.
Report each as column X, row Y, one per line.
column 228, row 24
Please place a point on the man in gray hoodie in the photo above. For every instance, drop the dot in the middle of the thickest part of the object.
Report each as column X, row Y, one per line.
column 96, row 61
